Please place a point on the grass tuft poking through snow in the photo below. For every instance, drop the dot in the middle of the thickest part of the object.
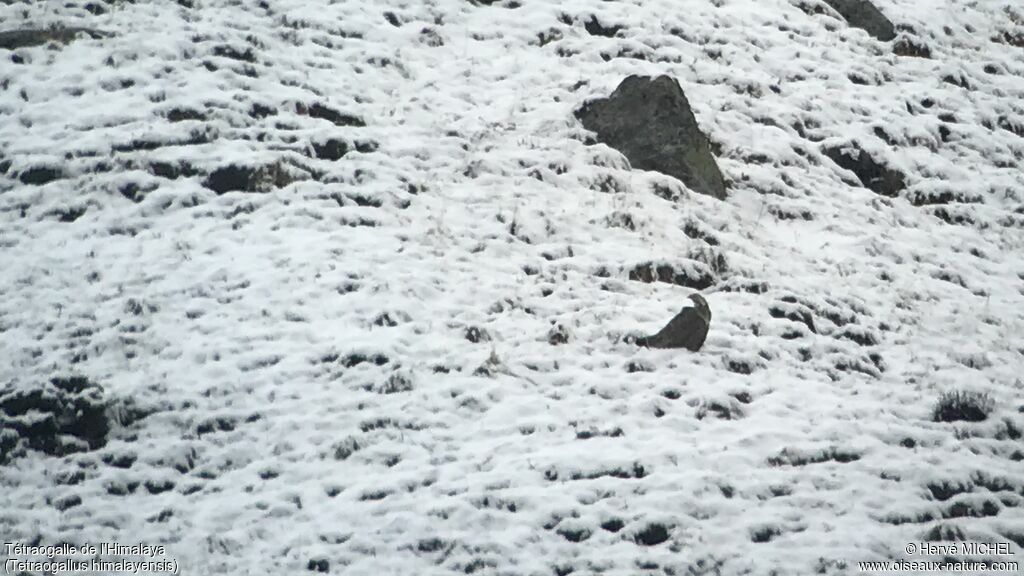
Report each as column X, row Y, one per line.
column 963, row 406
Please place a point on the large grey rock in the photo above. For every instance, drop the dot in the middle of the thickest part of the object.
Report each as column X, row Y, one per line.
column 687, row 330
column 864, row 15
column 650, row 121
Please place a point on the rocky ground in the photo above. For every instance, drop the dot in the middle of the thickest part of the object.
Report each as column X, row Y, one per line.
column 347, row 287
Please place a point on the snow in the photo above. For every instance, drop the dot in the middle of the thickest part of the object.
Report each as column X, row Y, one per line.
column 269, row 445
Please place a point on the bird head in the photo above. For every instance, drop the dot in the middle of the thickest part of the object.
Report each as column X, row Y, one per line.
column 701, row 306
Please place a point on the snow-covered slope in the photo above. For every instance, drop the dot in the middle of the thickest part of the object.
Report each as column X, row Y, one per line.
column 405, row 350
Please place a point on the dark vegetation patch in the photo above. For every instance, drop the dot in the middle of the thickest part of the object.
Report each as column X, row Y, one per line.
column 764, row 534
column 691, row 275
column 743, row 397
column 944, row 533
column 324, row 112
column 747, row 285
column 134, row 191
column 634, row 366
column 720, row 410
column 652, row 534
column 790, row 213
column 954, row 215
column 357, row 358
column 873, row 175
column 740, row 365
column 962, row 406
column 69, row 214
column 613, row 525
column 158, row 486
column 241, row 178
column 909, row 47
column 476, row 334
column 396, row 382
column 864, row 15
column 14, row 39
column 790, row 309
column 574, row 534
column 933, row 197
column 345, row 448
column 67, row 502
column 968, row 509
column 184, row 114
column 331, row 149
column 430, row 545
column 594, row 27
column 790, row 457
column 120, row 460
column 636, row 472
column 63, row 416
column 595, row 433
column 863, row 365
column 143, row 144
column 226, row 51
column 859, row 334
column 697, row 231
column 39, row 175
column 1012, row 39
column 383, row 423
column 559, row 334
column 217, row 424
column 172, row 170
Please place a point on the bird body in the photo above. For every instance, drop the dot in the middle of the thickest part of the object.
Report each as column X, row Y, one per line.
column 687, row 330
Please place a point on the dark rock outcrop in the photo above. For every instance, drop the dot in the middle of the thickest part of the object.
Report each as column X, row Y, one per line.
column 687, row 330
column 650, row 121
column 874, row 175
column 62, row 416
column 864, row 15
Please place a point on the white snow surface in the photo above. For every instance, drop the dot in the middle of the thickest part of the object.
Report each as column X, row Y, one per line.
column 484, row 229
